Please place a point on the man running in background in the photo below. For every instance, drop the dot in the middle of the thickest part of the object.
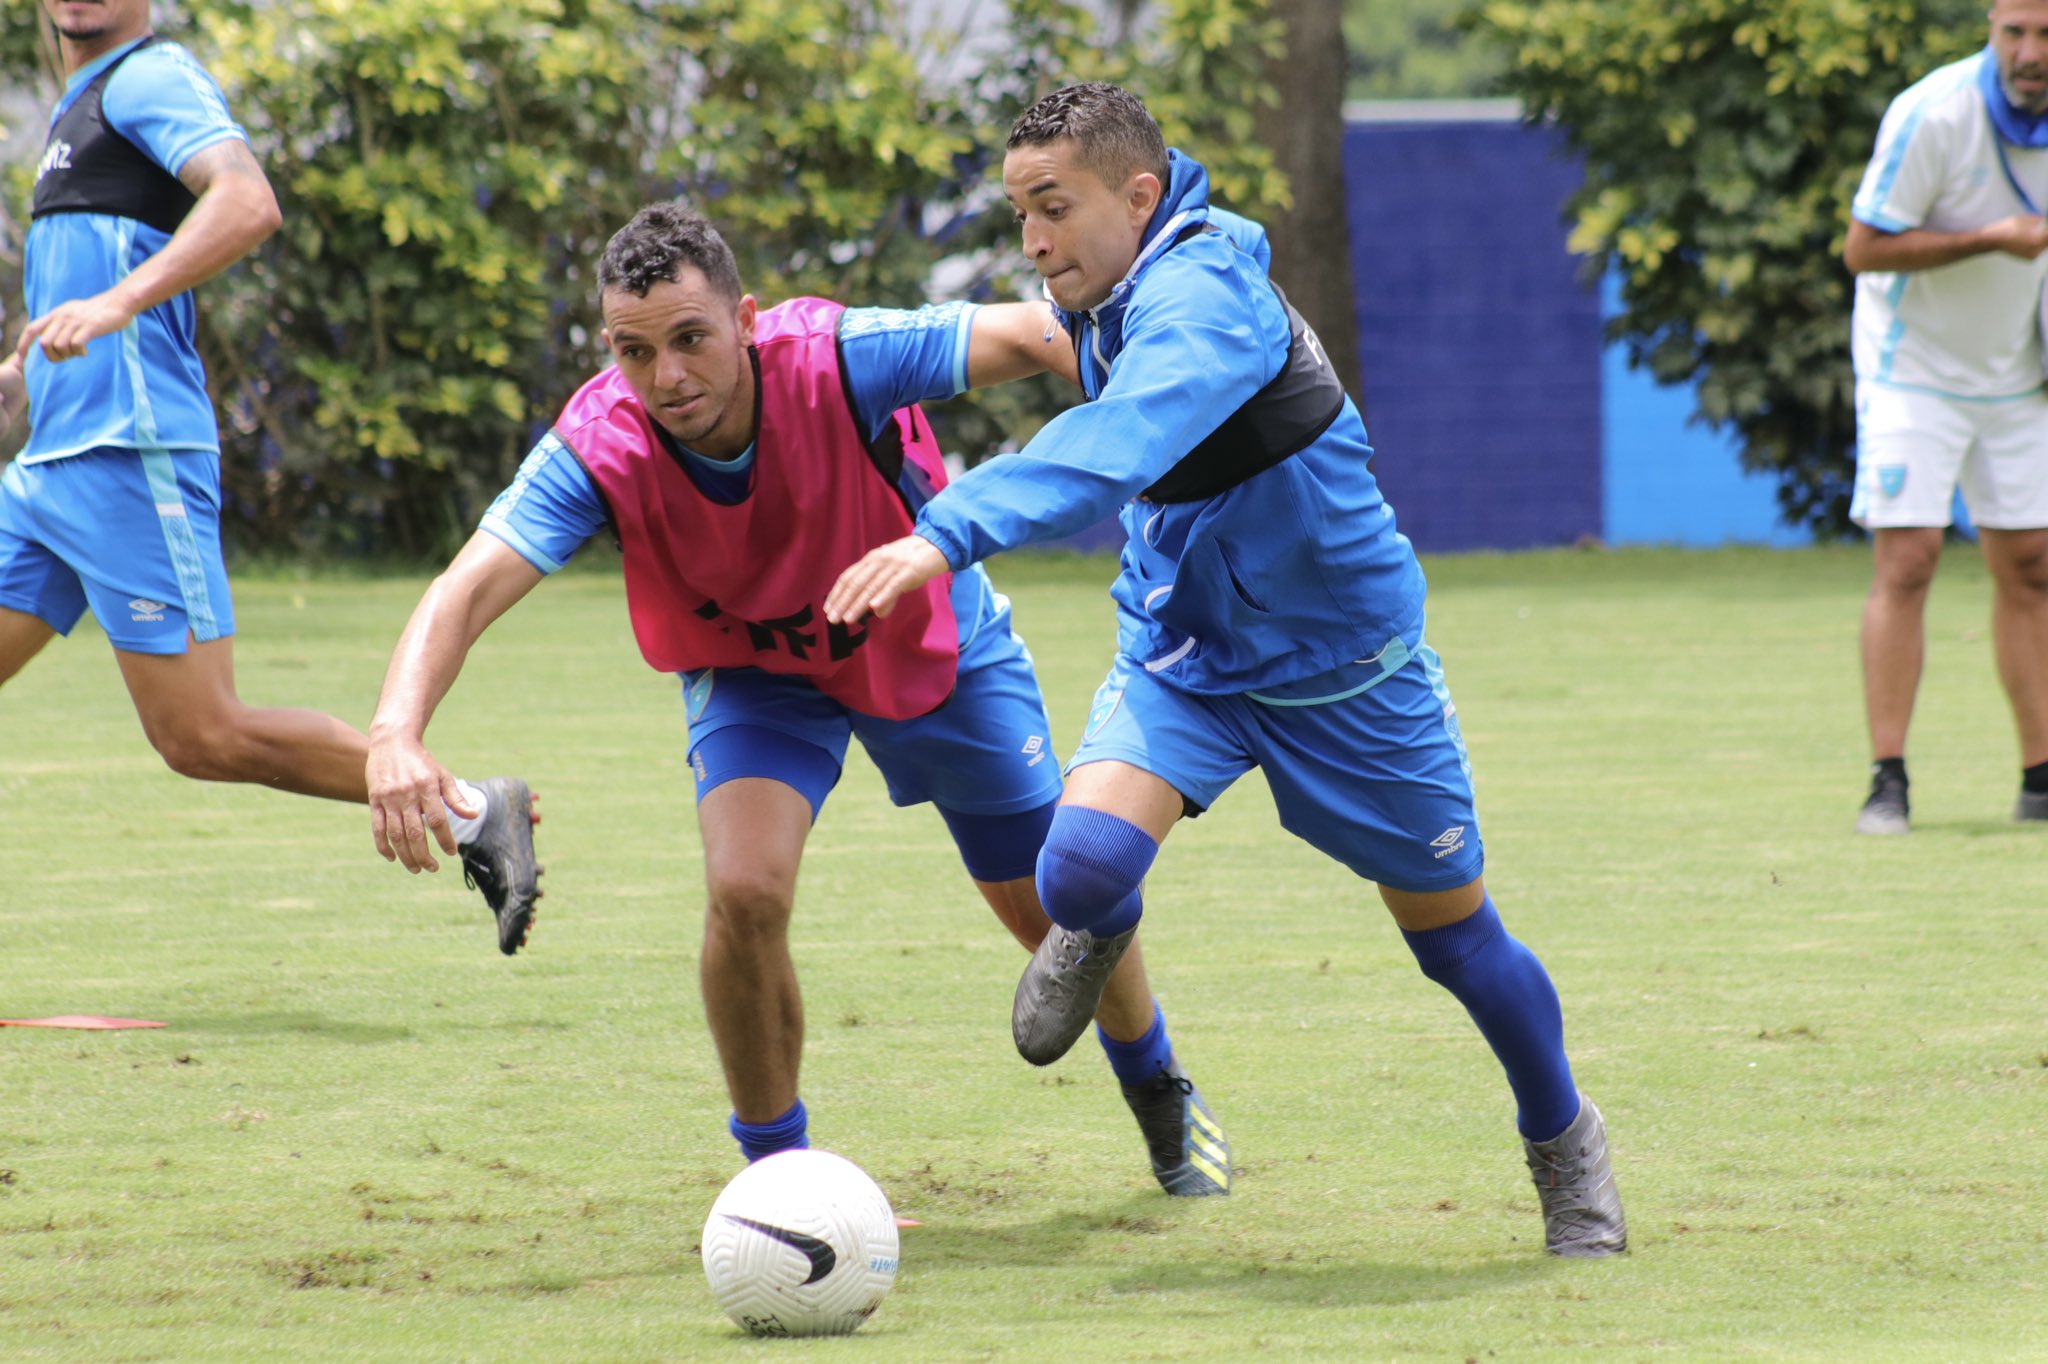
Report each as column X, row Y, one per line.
column 146, row 189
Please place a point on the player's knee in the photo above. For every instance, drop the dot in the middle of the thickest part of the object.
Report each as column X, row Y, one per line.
column 197, row 752
column 748, row 906
column 1091, row 866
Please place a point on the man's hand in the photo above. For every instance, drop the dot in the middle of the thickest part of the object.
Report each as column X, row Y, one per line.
column 13, row 392
column 410, row 794
column 882, row 577
column 2024, row 235
column 66, row 328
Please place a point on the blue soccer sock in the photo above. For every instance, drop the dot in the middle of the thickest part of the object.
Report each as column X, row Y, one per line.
column 789, row 1132
column 1509, row 995
column 1137, row 1062
column 1090, row 869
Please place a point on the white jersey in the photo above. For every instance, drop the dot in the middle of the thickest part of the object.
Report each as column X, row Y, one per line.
column 1971, row 329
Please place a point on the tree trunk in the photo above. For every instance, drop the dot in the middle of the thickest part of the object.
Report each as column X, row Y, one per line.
column 1312, row 244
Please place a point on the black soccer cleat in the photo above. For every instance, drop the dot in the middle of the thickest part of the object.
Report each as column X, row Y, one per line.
column 1190, row 1155
column 1060, row 990
column 1886, row 810
column 499, row 860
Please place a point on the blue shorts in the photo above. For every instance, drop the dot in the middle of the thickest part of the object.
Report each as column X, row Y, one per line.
column 135, row 535
column 1366, row 764
column 986, row 751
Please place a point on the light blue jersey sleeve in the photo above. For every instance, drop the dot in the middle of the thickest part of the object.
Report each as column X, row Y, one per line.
column 550, row 508
column 1914, row 154
column 1202, row 334
column 898, row 356
column 163, row 101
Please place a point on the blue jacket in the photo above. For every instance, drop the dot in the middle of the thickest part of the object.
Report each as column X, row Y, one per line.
column 1294, row 572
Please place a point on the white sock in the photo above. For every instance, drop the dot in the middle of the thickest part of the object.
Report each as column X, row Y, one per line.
column 466, row 830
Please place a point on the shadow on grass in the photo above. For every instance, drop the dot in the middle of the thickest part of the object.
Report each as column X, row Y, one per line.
column 1308, row 1281
column 297, row 1022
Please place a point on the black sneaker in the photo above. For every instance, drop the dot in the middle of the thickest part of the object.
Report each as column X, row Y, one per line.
column 1190, row 1155
column 499, row 861
column 2031, row 806
column 1885, row 812
column 1060, row 989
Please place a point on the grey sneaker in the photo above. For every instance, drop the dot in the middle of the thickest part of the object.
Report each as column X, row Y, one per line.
column 2031, row 806
column 1190, row 1154
column 1885, row 811
column 1575, row 1183
column 1060, row 990
column 499, row 861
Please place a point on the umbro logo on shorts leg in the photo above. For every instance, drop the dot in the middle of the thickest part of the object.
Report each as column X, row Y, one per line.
column 1449, row 841
column 145, row 609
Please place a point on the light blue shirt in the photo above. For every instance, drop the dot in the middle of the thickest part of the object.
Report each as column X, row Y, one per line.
column 142, row 388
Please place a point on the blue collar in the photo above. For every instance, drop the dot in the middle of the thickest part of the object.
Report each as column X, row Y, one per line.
column 2016, row 126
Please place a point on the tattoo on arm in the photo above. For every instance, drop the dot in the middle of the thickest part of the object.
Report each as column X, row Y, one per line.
column 229, row 156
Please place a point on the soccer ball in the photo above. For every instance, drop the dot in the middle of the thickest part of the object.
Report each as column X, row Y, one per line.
column 801, row 1243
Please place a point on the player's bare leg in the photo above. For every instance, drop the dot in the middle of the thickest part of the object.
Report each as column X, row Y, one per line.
column 192, row 716
column 754, row 831
column 1894, row 648
column 22, row 636
column 2018, row 560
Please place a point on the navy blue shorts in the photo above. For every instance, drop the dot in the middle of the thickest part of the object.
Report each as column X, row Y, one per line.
column 1365, row 764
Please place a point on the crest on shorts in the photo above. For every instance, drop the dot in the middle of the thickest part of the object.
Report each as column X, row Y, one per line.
column 1106, row 702
column 1891, row 478
column 697, row 695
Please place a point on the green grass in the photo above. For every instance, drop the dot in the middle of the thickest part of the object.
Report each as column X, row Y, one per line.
column 366, row 1136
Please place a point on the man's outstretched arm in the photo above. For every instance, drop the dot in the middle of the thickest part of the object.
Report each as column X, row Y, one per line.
column 409, row 790
column 1015, row 341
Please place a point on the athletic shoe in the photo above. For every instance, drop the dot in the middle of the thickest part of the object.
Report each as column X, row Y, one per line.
column 499, row 860
column 1575, row 1183
column 2032, row 805
column 1190, row 1154
column 1886, row 810
column 1060, row 990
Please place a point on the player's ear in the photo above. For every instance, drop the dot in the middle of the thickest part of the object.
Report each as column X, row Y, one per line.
column 744, row 317
column 1142, row 195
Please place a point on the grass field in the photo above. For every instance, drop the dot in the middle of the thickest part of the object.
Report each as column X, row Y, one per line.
column 366, row 1136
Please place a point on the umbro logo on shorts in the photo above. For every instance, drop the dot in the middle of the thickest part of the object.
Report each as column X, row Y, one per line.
column 145, row 609
column 1449, row 841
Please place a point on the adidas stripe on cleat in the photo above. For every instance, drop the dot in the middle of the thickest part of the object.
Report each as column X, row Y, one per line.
column 1190, row 1155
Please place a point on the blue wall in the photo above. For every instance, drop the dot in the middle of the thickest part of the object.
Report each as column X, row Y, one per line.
column 1481, row 350
column 1500, row 418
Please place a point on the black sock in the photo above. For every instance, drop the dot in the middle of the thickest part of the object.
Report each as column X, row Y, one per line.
column 1896, row 767
column 2034, row 778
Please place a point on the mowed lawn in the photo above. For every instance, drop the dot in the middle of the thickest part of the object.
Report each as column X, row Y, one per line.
column 367, row 1136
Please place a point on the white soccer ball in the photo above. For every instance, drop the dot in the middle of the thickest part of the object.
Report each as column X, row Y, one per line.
column 801, row 1243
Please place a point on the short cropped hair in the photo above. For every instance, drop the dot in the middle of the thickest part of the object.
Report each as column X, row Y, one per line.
column 658, row 243
column 1114, row 135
